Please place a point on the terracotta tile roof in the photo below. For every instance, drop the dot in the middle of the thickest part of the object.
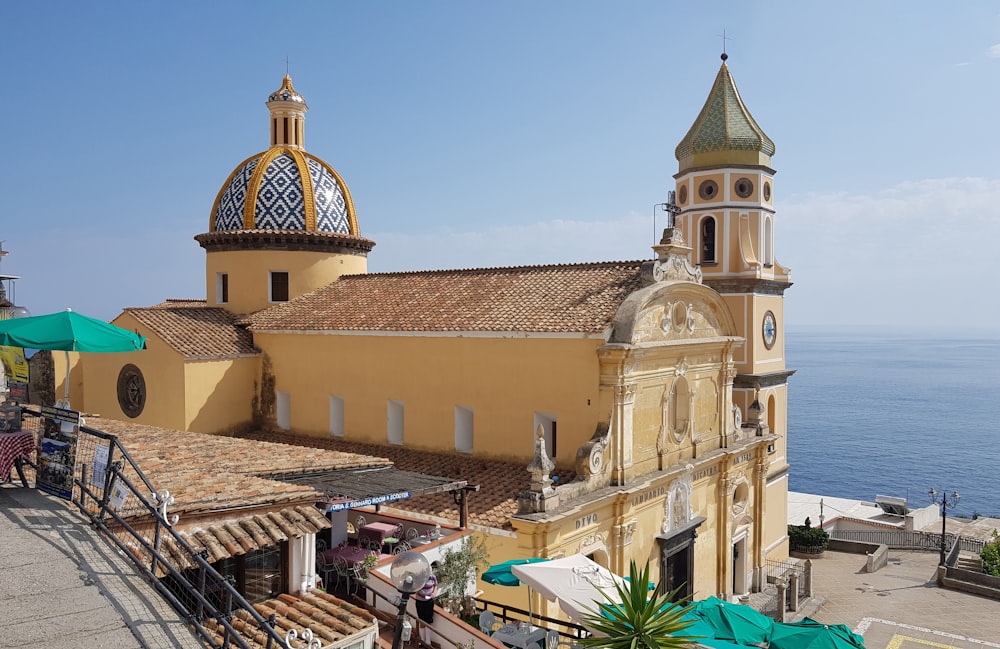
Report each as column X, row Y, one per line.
column 235, row 536
column 195, row 330
column 492, row 506
column 209, row 473
column 330, row 618
column 559, row 298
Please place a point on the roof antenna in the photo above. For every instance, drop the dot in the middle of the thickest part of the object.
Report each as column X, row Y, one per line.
column 724, row 39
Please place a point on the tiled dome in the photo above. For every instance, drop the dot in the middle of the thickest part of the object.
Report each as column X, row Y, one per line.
column 725, row 131
column 284, row 189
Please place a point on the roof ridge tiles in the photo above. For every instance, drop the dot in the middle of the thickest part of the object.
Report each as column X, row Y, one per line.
column 489, row 269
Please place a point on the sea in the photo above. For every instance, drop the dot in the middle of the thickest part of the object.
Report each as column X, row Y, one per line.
column 896, row 413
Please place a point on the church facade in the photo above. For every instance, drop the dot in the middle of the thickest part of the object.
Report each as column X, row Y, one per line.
column 661, row 383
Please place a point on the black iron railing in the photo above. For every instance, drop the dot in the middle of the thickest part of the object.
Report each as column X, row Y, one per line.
column 110, row 489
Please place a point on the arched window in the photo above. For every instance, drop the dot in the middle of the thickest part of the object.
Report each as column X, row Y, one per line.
column 708, row 240
column 768, row 242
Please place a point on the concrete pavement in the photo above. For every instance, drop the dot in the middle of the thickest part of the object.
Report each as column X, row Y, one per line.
column 900, row 606
column 64, row 587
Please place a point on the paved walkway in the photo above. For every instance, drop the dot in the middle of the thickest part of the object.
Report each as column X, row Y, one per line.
column 62, row 586
column 900, row 606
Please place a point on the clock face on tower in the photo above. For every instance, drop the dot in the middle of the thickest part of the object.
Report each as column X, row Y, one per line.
column 769, row 329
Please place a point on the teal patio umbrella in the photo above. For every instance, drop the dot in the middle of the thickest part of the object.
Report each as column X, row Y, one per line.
column 810, row 634
column 500, row 574
column 734, row 622
column 68, row 331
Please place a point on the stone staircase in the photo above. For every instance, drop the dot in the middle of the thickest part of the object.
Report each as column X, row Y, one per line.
column 969, row 561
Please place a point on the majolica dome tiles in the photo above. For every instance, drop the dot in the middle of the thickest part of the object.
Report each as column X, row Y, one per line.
column 293, row 190
column 724, row 124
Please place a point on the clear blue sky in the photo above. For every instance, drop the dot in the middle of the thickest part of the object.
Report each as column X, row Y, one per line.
column 505, row 133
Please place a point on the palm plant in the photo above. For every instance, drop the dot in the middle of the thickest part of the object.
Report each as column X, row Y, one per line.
column 634, row 620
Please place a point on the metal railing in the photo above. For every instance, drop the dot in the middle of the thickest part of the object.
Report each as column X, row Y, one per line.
column 110, row 489
column 782, row 570
column 895, row 539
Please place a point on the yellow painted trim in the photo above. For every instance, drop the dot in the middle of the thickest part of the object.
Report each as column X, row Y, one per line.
column 308, row 199
column 253, row 187
column 225, row 186
column 352, row 217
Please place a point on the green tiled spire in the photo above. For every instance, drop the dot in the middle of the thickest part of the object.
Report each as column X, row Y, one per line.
column 725, row 131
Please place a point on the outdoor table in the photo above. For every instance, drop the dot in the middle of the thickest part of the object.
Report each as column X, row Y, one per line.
column 352, row 554
column 375, row 533
column 521, row 637
column 14, row 447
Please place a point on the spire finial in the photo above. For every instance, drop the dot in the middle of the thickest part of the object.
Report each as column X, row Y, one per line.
column 724, row 39
column 286, row 66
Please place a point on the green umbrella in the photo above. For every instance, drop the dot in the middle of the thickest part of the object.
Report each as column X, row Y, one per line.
column 810, row 634
column 698, row 627
column 719, row 644
column 734, row 622
column 70, row 332
column 501, row 575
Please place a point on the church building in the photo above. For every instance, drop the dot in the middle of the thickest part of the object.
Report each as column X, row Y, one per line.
column 661, row 383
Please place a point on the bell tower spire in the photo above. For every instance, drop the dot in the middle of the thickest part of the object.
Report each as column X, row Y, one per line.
column 725, row 191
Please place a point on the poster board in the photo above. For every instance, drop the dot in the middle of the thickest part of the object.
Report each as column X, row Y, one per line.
column 57, row 457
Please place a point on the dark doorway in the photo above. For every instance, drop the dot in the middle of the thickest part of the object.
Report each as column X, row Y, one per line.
column 677, row 559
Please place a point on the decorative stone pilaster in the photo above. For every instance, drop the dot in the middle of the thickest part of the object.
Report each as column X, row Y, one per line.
column 624, row 532
column 621, row 432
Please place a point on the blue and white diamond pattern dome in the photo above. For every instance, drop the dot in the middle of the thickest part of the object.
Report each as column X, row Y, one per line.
column 284, row 189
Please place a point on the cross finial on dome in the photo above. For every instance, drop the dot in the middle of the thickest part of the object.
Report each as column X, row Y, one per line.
column 724, row 39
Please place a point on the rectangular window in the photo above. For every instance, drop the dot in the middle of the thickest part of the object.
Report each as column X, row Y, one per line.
column 394, row 422
column 222, row 288
column 283, row 407
column 336, row 416
column 463, row 429
column 548, row 424
column 258, row 574
column 278, row 286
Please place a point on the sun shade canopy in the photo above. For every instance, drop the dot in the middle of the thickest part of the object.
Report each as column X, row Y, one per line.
column 372, row 486
column 68, row 331
column 578, row 583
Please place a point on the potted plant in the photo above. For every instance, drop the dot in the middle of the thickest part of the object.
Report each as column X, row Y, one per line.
column 365, row 566
column 809, row 542
column 456, row 570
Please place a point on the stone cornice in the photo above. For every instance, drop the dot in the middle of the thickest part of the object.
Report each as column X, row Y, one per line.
column 721, row 167
column 284, row 240
column 757, row 286
column 766, row 380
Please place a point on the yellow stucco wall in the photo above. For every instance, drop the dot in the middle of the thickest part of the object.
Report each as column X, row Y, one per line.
column 504, row 382
column 162, row 370
column 199, row 396
column 219, row 394
column 249, row 274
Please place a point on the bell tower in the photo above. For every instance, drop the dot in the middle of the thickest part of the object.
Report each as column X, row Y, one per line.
column 725, row 192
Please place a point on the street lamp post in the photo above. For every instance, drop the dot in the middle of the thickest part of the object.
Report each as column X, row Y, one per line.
column 945, row 501
column 408, row 572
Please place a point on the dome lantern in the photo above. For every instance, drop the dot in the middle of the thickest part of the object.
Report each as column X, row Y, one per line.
column 288, row 116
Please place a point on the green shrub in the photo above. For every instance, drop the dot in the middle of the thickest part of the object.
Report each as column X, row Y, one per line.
column 991, row 556
column 800, row 536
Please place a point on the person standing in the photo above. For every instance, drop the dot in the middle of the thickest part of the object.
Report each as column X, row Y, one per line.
column 425, row 605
